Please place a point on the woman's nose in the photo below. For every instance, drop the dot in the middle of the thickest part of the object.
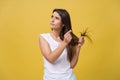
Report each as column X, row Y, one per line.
column 52, row 20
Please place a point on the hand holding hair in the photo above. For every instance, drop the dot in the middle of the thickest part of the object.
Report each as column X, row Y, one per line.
column 81, row 41
column 67, row 37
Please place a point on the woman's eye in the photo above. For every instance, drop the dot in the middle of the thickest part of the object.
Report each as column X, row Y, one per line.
column 57, row 18
column 52, row 16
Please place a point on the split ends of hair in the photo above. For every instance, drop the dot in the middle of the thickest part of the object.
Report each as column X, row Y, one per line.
column 85, row 32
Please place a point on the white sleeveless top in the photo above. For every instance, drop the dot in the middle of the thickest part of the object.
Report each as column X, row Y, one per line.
column 61, row 67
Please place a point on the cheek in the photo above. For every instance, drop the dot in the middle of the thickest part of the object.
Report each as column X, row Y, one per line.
column 59, row 23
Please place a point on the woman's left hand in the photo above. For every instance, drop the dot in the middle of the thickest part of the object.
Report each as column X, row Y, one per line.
column 81, row 41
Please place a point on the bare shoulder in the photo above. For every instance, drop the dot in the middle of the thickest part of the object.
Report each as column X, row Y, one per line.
column 44, row 46
column 41, row 40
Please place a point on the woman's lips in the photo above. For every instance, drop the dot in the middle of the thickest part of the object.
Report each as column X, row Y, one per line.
column 52, row 24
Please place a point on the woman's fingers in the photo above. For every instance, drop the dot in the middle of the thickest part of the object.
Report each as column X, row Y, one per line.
column 67, row 36
column 68, row 33
column 81, row 41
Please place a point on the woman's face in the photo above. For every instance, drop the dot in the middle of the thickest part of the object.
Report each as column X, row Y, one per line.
column 56, row 21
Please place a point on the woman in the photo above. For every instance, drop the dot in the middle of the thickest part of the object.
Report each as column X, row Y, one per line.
column 60, row 48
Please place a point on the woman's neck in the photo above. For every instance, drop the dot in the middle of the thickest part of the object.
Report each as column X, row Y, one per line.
column 55, row 35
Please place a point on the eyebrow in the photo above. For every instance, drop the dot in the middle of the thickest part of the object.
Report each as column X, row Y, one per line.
column 55, row 16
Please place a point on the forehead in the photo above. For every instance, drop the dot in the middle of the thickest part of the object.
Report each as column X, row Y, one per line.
column 56, row 14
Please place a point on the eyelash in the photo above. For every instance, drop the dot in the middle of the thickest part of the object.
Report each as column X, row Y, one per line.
column 55, row 17
column 52, row 16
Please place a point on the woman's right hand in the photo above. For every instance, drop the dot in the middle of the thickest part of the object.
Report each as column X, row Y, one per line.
column 67, row 37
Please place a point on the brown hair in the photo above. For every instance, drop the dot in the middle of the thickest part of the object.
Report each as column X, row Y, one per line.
column 67, row 26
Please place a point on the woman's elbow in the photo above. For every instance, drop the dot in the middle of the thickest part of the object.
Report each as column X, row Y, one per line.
column 72, row 66
column 50, row 60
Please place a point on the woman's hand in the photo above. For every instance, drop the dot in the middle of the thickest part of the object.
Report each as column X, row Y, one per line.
column 81, row 41
column 67, row 37
column 76, row 52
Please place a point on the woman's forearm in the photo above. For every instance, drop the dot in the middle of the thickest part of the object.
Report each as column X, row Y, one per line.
column 75, row 57
column 57, row 52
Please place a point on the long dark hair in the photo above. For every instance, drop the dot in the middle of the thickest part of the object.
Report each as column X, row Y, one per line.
column 67, row 26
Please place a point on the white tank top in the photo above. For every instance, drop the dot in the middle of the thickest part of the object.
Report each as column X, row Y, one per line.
column 61, row 67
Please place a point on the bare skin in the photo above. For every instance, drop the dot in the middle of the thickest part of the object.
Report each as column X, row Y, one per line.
column 56, row 26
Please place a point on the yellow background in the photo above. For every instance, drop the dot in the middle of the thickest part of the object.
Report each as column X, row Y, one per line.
column 21, row 22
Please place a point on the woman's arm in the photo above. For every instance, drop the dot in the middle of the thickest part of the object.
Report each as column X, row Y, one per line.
column 51, row 56
column 76, row 51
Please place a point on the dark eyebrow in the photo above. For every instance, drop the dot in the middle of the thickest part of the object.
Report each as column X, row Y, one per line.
column 57, row 17
column 51, row 16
